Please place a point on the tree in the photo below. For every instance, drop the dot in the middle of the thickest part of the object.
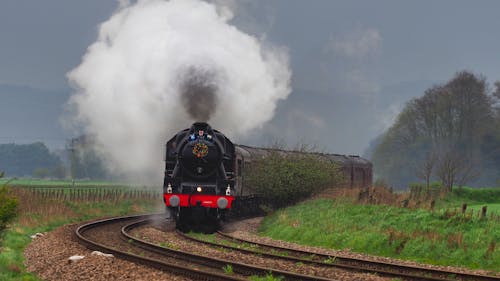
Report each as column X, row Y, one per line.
column 85, row 161
column 425, row 169
column 58, row 172
column 439, row 132
column 496, row 93
column 23, row 159
column 41, row 173
column 454, row 168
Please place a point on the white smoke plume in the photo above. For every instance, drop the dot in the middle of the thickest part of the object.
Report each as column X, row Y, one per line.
column 157, row 66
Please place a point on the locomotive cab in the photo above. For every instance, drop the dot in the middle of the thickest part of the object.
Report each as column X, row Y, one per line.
column 199, row 178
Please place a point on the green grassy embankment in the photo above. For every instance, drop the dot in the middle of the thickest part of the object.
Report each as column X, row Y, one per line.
column 42, row 211
column 439, row 237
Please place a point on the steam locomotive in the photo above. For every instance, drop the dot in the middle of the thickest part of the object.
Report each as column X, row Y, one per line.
column 204, row 177
column 199, row 177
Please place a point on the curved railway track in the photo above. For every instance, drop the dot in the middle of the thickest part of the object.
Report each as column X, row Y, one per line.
column 90, row 234
column 119, row 242
column 381, row 268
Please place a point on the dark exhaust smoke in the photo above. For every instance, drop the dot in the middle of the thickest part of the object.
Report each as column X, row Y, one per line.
column 199, row 94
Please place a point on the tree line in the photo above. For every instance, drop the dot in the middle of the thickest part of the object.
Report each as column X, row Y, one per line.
column 29, row 159
column 451, row 134
column 77, row 161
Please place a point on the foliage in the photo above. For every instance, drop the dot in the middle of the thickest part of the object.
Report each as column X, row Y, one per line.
column 484, row 195
column 430, row 191
column 431, row 237
column 85, row 162
column 8, row 205
column 228, row 269
column 269, row 277
column 41, row 173
column 284, row 179
column 23, row 159
column 445, row 135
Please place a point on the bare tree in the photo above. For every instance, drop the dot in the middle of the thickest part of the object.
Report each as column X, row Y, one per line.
column 425, row 169
column 448, row 168
column 496, row 93
column 454, row 167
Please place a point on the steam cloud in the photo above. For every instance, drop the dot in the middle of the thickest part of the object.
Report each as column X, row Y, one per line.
column 157, row 66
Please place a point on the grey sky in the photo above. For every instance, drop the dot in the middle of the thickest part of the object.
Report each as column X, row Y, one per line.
column 355, row 63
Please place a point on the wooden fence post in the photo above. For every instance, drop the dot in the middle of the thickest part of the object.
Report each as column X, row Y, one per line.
column 483, row 212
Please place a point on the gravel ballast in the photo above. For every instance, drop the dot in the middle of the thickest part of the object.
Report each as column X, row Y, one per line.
column 172, row 240
column 48, row 257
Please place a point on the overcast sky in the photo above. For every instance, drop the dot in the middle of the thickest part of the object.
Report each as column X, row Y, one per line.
column 355, row 63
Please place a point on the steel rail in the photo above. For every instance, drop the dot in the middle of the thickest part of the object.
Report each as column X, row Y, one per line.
column 196, row 274
column 385, row 268
column 380, row 272
column 240, row 268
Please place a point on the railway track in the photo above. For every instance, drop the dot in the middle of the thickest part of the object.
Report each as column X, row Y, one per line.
column 91, row 235
column 121, row 243
column 361, row 265
column 118, row 241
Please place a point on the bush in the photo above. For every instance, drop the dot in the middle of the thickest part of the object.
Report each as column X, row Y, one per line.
column 8, row 206
column 487, row 195
column 421, row 191
column 283, row 179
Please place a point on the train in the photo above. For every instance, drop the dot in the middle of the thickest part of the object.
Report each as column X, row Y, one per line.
column 204, row 177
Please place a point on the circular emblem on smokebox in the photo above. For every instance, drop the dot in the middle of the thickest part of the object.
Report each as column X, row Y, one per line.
column 200, row 150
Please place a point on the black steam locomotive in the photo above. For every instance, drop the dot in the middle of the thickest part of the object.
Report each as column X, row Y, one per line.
column 199, row 177
column 204, row 177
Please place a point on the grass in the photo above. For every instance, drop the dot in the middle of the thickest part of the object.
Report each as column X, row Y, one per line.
column 471, row 196
column 28, row 182
column 228, row 269
column 267, row 277
column 475, row 198
column 495, row 208
column 414, row 234
column 42, row 212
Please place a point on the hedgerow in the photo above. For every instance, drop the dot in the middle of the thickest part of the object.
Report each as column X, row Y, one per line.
column 8, row 205
column 284, row 178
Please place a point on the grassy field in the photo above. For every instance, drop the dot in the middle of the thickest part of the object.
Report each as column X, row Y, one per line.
column 439, row 237
column 59, row 183
column 471, row 196
column 45, row 208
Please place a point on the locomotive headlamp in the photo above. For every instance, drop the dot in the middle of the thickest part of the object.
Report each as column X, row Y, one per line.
column 228, row 190
column 199, row 189
column 169, row 188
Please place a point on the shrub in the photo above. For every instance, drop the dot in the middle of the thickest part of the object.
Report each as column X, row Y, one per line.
column 8, row 206
column 380, row 182
column 421, row 191
column 283, row 178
